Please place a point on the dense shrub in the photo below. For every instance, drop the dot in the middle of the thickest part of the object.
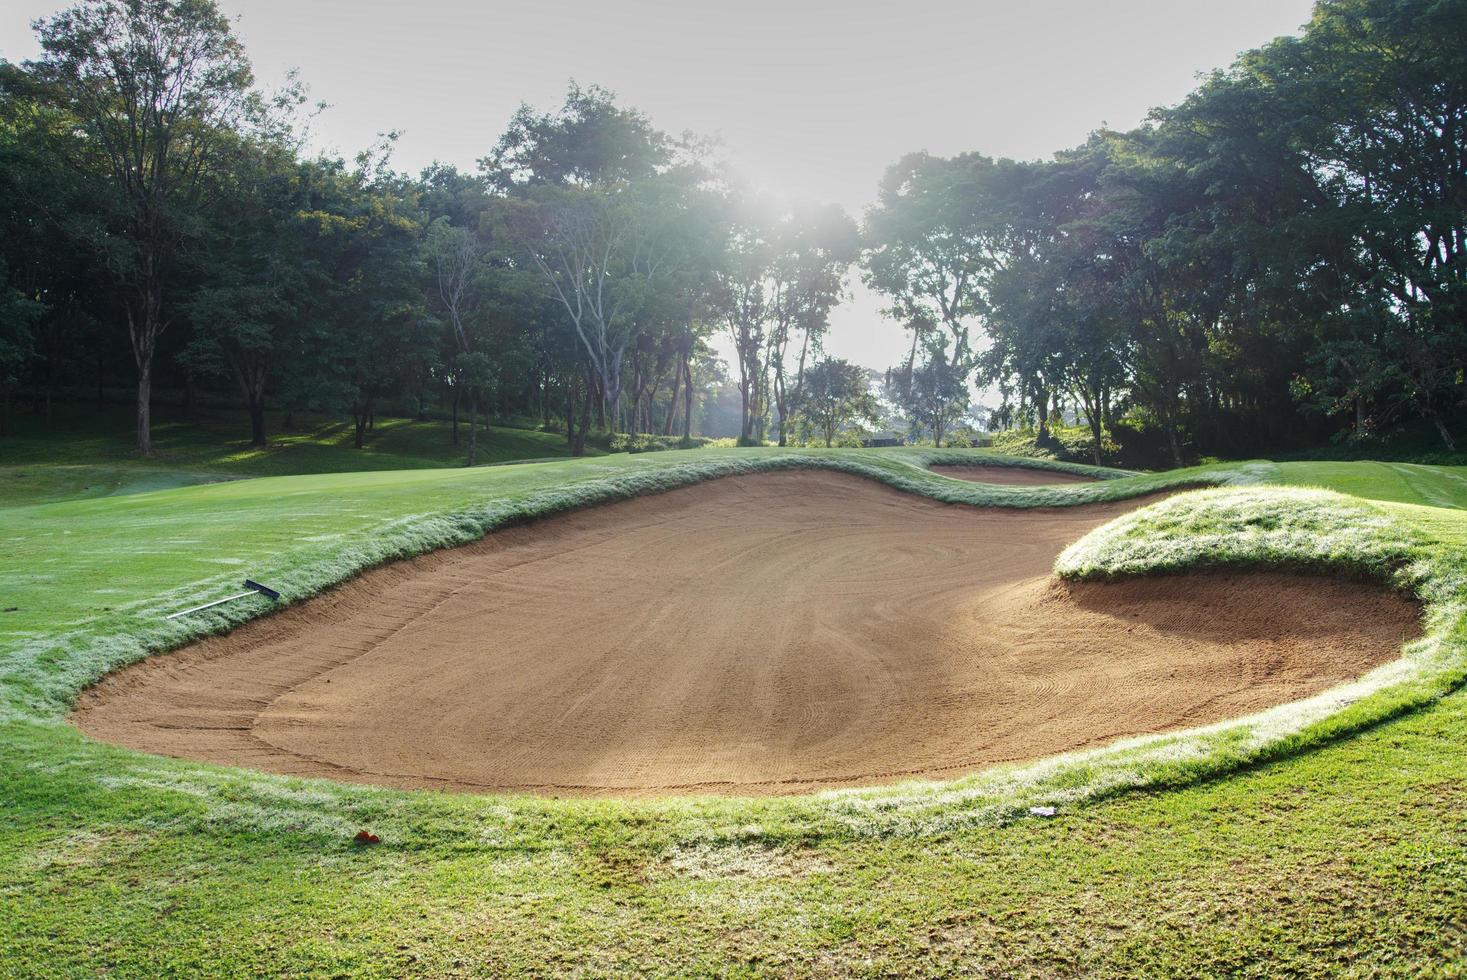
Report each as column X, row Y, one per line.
column 647, row 442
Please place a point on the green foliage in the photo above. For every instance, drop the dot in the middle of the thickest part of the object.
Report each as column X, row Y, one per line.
column 836, row 396
column 85, row 453
column 1073, row 444
column 1275, row 259
column 646, row 442
column 934, row 394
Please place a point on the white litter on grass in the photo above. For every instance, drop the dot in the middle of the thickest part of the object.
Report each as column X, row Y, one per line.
column 1041, row 811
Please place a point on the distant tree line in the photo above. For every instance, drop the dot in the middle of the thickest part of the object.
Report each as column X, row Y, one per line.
column 1278, row 259
column 158, row 207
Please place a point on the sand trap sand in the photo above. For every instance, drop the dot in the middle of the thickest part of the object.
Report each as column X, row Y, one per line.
column 763, row 634
column 1011, row 476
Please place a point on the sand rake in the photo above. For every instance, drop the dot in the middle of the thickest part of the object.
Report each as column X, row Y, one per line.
column 251, row 588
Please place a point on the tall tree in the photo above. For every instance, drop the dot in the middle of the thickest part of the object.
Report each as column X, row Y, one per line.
column 937, row 231
column 605, row 199
column 247, row 310
column 457, row 258
column 838, row 395
column 155, row 87
column 741, row 301
column 814, row 247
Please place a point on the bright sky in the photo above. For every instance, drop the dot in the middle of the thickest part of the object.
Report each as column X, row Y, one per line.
column 812, row 99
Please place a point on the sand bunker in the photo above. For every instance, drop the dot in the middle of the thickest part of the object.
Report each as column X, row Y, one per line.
column 1011, row 476
column 763, row 634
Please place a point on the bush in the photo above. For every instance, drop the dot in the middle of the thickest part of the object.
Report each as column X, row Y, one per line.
column 646, row 442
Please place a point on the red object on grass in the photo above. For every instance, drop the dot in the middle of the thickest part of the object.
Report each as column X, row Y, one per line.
column 367, row 837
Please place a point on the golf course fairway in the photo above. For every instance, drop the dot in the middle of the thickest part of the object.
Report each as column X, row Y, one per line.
column 1331, row 797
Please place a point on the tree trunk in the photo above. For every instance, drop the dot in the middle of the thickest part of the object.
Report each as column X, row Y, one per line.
column 257, row 420
column 144, row 337
column 190, row 396
column 570, row 411
column 578, row 444
column 688, row 399
column 363, row 418
column 780, row 401
column 677, row 378
column 747, row 418
column 455, row 415
column 473, row 428
column 1441, row 429
column 145, row 405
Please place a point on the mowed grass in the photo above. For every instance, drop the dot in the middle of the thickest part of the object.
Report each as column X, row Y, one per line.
column 1349, row 857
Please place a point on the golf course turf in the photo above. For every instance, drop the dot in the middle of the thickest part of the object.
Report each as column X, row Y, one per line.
column 1342, row 811
column 772, row 633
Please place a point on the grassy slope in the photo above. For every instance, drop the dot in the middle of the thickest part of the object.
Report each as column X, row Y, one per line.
column 84, row 453
column 1351, row 857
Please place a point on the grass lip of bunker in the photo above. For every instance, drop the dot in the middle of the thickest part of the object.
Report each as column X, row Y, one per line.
column 636, row 648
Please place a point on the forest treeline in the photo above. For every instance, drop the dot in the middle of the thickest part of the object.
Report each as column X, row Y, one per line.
column 1277, row 261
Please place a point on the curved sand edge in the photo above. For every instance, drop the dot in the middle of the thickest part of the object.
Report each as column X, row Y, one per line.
column 759, row 634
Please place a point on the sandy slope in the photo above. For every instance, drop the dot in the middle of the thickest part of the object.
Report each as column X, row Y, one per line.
column 761, row 634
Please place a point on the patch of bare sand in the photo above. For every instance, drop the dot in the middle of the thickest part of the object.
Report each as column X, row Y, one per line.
column 764, row 634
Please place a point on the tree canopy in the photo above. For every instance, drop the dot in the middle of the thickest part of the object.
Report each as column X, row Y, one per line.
column 1278, row 260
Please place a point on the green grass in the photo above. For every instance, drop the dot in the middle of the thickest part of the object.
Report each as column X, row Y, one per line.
column 1325, row 836
column 24, row 485
column 214, row 444
column 1406, row 483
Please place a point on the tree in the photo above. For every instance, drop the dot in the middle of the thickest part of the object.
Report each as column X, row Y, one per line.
column 248, row 309
column 936, row 396
column 48, row 280
column 740, row 299
column 1385, row 83
column 155, row 87
column 606, row 210
column 837, row 394
column 17, row 315
column 364, row 317
column 813, row 249
column 457, row 256
column 936, row 232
